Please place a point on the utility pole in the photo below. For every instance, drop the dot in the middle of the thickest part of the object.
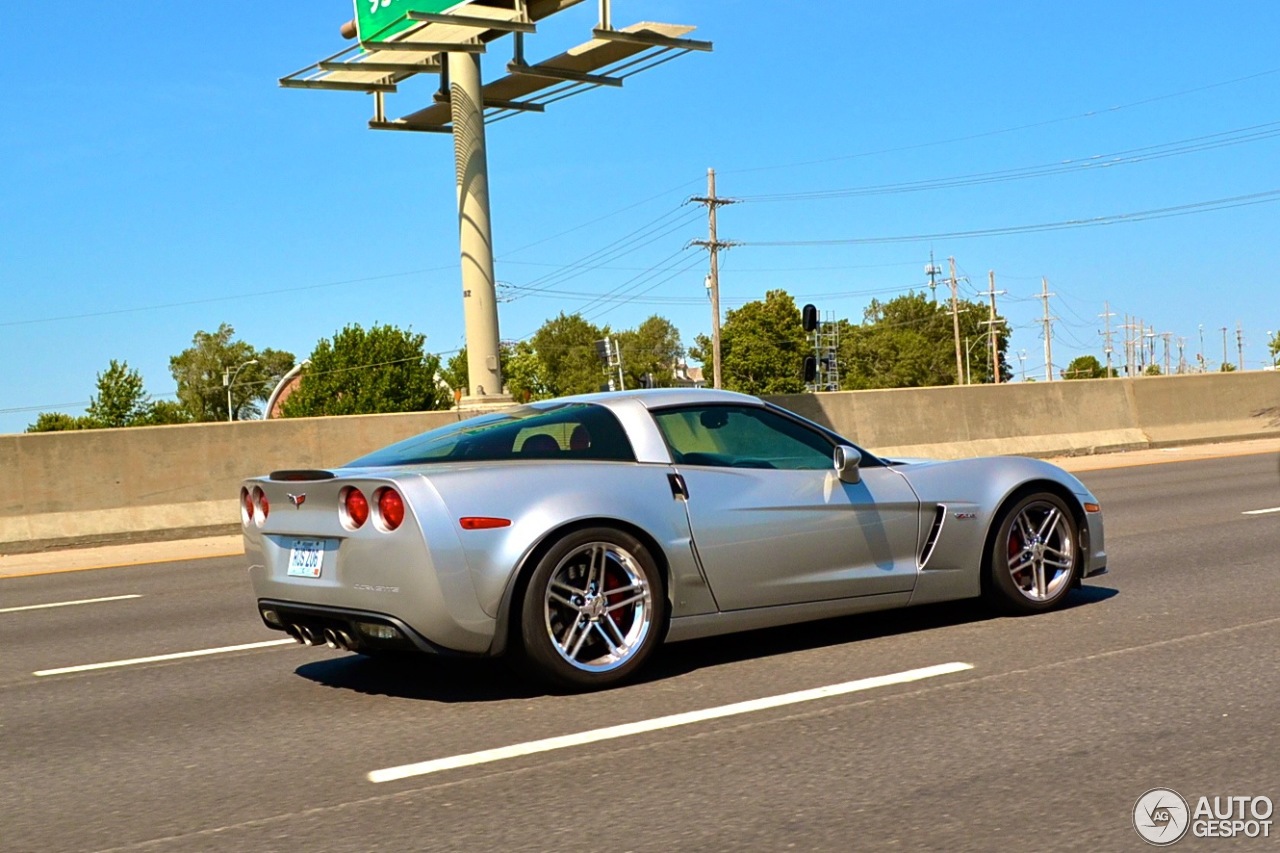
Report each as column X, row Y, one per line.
column 713, row 245
column 955, row 321
column 1165, row 337
column 1202, row 364
column 1240, row 343
column 1048, row 330
column 1128, row 350
column 1224, row 345
column 1022, row 357
column 1106, row 316
column 1182, row 355
column 992, row 322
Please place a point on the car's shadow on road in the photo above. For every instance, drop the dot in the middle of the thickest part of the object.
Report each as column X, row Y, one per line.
column 452, row 680
column 681, row 658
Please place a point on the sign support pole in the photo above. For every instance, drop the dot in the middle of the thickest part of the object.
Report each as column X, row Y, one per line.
column 475, row 236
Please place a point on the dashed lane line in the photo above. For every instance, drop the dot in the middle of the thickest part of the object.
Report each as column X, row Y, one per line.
column 486, row 756
column 67, row 603
column 64, row 670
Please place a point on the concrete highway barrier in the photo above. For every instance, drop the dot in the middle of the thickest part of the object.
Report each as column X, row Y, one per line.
column 114, row 485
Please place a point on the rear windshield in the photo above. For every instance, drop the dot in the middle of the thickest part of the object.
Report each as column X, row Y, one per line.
column 566, row 431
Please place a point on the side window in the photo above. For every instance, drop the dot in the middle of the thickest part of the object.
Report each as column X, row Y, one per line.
column 566, row 431
column 574, row 432
column 742, row 437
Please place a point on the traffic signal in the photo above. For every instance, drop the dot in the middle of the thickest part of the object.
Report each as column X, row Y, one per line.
column 810, row 317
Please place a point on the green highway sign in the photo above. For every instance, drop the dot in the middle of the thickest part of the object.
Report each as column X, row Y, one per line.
column 380, row 19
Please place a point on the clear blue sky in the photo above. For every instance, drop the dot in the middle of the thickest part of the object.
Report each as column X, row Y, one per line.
column 158, row 182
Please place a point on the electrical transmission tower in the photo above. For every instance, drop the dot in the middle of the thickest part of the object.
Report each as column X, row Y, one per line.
column 933, row 271
column 1107, row 349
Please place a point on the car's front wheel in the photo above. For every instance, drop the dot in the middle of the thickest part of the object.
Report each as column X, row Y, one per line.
column 1033, row 559
column 593, row 611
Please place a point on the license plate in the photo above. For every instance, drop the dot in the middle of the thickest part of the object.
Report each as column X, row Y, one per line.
column 306, row 558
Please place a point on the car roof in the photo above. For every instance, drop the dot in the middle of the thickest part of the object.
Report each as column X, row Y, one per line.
column 660, row 397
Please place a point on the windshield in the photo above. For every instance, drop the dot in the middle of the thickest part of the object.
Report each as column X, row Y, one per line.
column 566, row 431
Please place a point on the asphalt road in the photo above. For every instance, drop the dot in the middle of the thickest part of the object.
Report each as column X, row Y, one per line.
column 1160, row 674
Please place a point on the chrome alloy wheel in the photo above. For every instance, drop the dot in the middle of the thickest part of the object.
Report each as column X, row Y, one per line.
column 598, row 607
column 1041, row 551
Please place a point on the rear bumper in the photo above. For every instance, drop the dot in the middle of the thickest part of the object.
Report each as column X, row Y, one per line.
column 354, row 630
column 431, row 603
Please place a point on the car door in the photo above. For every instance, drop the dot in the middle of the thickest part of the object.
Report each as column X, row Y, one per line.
column 771, row 521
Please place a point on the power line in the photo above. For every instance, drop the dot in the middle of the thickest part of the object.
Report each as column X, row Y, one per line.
column 1112, row 219
column 1014, row 129
column 643, row 236
column 213, row 299
column 1097, row 161
column 597, row 219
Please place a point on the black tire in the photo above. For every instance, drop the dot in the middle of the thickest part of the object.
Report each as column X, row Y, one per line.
column 593, row 611
column 1034, row 558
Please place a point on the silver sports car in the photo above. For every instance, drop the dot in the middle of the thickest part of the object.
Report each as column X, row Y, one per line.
column 578, row 534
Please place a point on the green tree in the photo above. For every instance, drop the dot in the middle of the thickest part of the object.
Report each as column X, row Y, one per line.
column 164, row 412
column 357, row 372
column 525, row 374
column 455, row 372
column 909, row 342
column 1227, row 367
column 566, row 348
column 59, row 422
column 1085, row 367
column 121, row 400
column 202, row 369
column 762, row 347
column 652, row 349
column 1153, row 369
column 1274, row 347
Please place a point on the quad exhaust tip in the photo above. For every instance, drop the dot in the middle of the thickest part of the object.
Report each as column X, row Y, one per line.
column 334, row 638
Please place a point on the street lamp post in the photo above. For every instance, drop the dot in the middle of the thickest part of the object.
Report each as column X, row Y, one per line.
column 229, row 379
column 968, row 348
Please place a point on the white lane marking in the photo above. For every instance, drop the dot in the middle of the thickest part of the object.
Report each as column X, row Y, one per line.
column 67, row 603
column 485, row 756
column 154, row 658
column 1261, row 511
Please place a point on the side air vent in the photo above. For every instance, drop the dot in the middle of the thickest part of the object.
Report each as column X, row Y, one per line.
column 935, row 531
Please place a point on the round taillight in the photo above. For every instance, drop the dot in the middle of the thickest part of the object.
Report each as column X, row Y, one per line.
column 264, row 505
column 246, row 506
column 357, row 507
column 390, row 508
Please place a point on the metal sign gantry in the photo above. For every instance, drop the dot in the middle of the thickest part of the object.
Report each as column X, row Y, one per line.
column 394, row 46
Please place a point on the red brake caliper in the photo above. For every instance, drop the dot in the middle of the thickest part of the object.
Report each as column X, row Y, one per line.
column 1015, row 543
column 621, row 618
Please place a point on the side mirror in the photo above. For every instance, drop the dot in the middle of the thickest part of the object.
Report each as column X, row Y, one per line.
column 847, row 459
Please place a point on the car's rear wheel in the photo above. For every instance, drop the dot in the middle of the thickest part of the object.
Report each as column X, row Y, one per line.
column 1034, row 555
column 593, row 611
